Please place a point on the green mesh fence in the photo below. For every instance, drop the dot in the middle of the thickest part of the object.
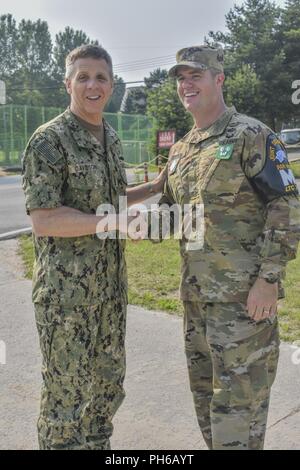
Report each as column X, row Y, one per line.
column 17, row 123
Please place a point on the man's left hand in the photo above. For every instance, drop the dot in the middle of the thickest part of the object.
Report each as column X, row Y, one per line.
column 262, row 300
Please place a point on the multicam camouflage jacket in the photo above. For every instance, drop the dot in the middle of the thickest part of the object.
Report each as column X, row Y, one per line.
column 64, row 165
column 238, row 170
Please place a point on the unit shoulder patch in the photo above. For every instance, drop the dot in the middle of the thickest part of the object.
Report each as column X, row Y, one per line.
column 278, row 155
column 276, row 178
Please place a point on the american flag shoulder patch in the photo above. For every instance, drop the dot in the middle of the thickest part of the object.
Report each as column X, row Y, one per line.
column 48, row 151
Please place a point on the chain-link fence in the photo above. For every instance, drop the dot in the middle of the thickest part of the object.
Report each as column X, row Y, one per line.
column 17, row 123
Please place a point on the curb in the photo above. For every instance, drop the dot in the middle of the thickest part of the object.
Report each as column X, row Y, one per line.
column 15, row 233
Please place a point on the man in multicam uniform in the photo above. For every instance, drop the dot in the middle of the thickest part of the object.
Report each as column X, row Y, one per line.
column 238, row 170
column 72, row 165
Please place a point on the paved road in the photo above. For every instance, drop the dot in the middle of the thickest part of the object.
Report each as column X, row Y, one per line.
column 294, row 156
column 12, row 205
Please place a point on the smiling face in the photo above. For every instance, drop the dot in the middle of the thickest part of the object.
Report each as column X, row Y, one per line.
column 90, row 87
column 199, row 90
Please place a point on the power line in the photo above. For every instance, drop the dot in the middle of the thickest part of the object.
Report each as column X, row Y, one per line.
column 144, row 64
column 141, row 61
column 133, row 66
column 165, row 46
column 146, row 60
column 145, row 67
column 62, row 86
column 137, row 65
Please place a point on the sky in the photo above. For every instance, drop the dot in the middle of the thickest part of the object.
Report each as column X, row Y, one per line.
column 140, row 35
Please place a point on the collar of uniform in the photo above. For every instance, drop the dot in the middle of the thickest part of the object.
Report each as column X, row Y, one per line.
column 83, row 137
column 217, row 128
column 110, row 134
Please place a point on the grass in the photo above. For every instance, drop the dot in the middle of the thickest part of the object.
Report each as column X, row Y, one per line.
column 27, row 254
column 154, row 276
column 296, row 168
column 151, row 168
column 289, row 308
column 9, row 173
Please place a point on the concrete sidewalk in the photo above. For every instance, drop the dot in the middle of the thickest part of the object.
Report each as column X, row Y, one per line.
column 158, row 411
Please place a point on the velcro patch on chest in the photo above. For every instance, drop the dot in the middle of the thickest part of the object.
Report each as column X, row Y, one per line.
column 224, row 152
column 47, row 151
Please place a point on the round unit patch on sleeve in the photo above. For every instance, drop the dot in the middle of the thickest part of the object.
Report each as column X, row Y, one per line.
column 276, row 178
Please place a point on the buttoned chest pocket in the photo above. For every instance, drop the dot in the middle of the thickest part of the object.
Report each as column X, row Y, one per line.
column 195, row 167
column 189, row 178
column 86, row 176
column 87, row 187
column 176, row 186
column 198, row 173
column 223, row 182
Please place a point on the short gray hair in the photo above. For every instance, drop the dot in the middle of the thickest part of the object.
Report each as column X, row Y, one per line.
column 87, row 51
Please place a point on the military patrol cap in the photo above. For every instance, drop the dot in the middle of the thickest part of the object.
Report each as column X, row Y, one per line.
column 199, row 57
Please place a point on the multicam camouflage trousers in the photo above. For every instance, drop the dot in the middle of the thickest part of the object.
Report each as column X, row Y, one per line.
column 83, row 373
column 232, row 362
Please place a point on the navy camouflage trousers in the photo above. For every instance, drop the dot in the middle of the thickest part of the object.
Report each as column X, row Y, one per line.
column 83, row 372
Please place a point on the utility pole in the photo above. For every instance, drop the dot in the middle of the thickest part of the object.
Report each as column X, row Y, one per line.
column 2, row 92
column 3, row 101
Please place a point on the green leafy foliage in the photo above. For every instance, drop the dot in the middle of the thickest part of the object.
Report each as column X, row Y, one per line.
column 164, row 105
column 262, row 42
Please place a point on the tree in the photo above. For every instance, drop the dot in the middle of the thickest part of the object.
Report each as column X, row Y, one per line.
column 31, row 54
column 135, row 100
column 156, row 78
column 290, row 30
column 164, row 105
column 32, row 69
column 8, row 46
column 35, row 47
column 33, row 76
column 136, row 97
column 243, row 90
column 254, row 39
column 65, row 42
column 290, row 33
column 114, row 104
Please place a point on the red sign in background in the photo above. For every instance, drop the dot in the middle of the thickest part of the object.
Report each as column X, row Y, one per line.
column 165, row 139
